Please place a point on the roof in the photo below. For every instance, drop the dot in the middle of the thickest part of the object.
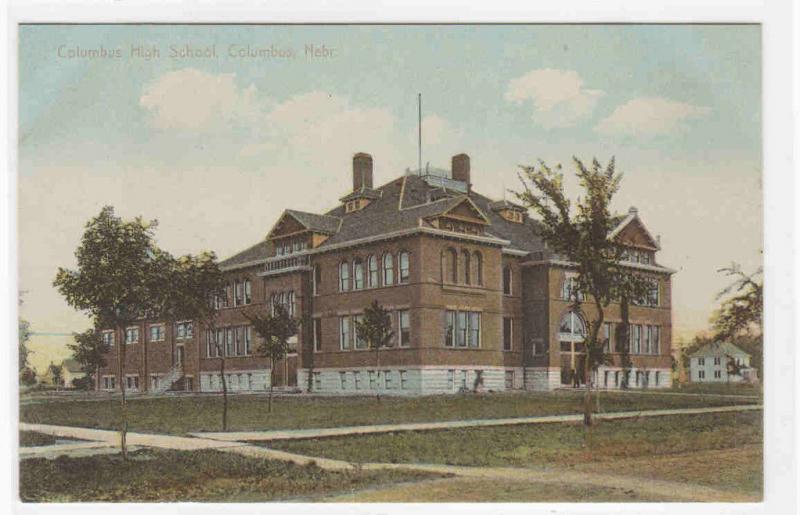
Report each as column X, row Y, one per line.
column 399, row 205
column 72, row 366
column 717, row 349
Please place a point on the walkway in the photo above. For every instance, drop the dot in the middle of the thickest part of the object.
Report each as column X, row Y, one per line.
column 299, row 434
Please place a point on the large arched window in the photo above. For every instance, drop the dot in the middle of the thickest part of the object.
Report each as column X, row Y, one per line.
column 388, row 270
column 358, row 274
column 477, row 268
column 403, row 263
column 374, row 277
column 572, row 328
column 344, row 276
column 466, row 268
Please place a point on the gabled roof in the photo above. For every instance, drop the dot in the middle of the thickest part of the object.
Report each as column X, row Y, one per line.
column 717, row 349
column 633, row 216
column 314, row 222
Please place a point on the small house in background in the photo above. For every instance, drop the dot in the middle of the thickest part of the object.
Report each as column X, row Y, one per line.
column 70, row 370
column 721, row 362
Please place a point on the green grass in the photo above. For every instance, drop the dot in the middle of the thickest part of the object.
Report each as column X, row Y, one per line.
column 640, row 443
column 159, row 475
column 180, row 415
column 719, row 389
column 34, row 439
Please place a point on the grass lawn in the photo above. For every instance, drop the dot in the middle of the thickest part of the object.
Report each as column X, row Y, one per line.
column 662, row 448
column 159, row 475
column 34, row 439
column 184, row 414
column 719, row 388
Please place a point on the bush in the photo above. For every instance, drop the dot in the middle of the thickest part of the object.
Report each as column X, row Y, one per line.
column 27, row 377
column 83, row 383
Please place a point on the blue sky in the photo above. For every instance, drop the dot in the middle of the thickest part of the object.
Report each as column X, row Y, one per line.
column 216, row 148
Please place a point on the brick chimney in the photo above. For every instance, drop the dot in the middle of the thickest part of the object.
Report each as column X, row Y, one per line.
column 362, row 171
column 460, row 168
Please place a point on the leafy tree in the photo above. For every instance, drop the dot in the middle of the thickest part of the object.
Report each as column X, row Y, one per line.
column 376, row 329
column 117, row 260
column 275, row 329
column 742, row 312
column 732, row 367
column 27, row 376
column 583, row 238
column 24, row 337
column 57, row 374
column 83, row 383
column 90, row 351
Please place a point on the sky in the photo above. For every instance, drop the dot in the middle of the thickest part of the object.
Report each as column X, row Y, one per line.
column 215, row 130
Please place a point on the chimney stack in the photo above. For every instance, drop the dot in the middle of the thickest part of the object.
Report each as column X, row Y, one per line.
column 460, row 168
column 362, row 171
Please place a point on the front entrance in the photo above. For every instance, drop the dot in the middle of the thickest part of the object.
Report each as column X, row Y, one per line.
column 571, row 333
column 179, row 355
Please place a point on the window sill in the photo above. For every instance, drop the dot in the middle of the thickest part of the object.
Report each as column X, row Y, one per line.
column 464, row 288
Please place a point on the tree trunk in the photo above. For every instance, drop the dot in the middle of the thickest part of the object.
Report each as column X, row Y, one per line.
column 123, row 429
column 224, row 394
column 271, row 373
column 378, row 374
column 594, row 330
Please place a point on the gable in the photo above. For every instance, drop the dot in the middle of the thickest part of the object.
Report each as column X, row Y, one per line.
column 466, row 211
column 286, row 225
column 635, row 234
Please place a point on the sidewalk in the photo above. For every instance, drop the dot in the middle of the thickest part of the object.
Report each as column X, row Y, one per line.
column 299, row 434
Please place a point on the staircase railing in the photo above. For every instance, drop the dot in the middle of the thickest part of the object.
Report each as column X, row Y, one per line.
column 166, row 382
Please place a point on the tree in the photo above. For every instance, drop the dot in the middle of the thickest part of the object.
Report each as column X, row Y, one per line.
column 113, row 284
column 376, row 329
column 89, row 350
column 57, row 374
column 742, row 312
column 584, row 239
column 275, row 329
column 27, row 376
column 733, row 367
column 24, row 337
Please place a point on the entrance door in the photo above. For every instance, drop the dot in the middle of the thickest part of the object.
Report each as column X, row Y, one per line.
column 179, row 355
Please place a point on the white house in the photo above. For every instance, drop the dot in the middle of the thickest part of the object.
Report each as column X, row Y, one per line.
column 714, row 363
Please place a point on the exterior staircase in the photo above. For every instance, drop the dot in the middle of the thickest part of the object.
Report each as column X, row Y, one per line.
column 166, row 382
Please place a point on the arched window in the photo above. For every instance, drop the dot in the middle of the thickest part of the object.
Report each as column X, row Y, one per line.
column 477, row 268
column 466, row 267
column 405, row 271
column 388, row 270
column 374, row 278
column 572, row 328
column 452, row 265
column 506, row 280
column 358, row 274
column 344, row 276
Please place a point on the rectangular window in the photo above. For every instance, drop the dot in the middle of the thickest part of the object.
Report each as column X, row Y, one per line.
column 646, row 339
column 229, row 342
column 316, row 279
column 238, row 293
column 108, row 338
column 607, row 332
column 405, row 274
column 132, row 335
column 461, row 331
column 248, row 340
column 358, row 274
column 508, row 325
column 701, row 374
column 211, row 345
column 387, row 379
column 701, row 361
column 183, row 330
column 344, row 333
column 373, row 382
column 717, row 374
column 404, row 323
column 317, row 380
column 357, row 380
column 463, row 379
column 343, row 380
column 717, row 361
column 509, row 379
column 403, row 380
column 658, row 377
column 360, row 343
column 474, row 329
column 344, row 276
column 449, row 328
column 637, row 339
column 506, row 280
column 317, row 334
column 451, row 380
column 132, row 382
column 239, row 343
column 157, row 333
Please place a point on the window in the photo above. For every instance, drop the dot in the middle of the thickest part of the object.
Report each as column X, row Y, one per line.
column 343, row 380
column 238, row 293
column 701, row 374
column 357, row 380
column 344, row 276
column 387, row 379
column 317, row 380
column 463, row 379
column 285, row 299
column 701, row 361
column 211, row 348
column 506, row 280
column 405, row 272
column 451, row 380
column 360, row 343
column 317, row 280
column 607, row 332
column 248, row 291
column 507, row 333
column 388, row 270
column 132, row 382
column 108, row 338
column 477, row 268
column 132, row 335
column 229, row 342
column 718, row 374
column 452, row 263
column 569, row 289
column 636, row 339
column 373, row 382
column 248, row 340
column 658, row 377
column 466, row 268
column 652, row 294
column 509, row 379
column 655, row 336
column 462, row 328
column 404, row 323
column 403, row 380
column 374, row 278
column 183, row 330
column 358, row 274
column 646, row 339
column 238, row 334
column 717, row 360
column 572, row 328
column 344, row 333
column 109, row 382
column 317, row 334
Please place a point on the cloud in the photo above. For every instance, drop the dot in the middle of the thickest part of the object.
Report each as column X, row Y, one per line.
column 558, row 96
column 650, row 116
column 192, row 99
